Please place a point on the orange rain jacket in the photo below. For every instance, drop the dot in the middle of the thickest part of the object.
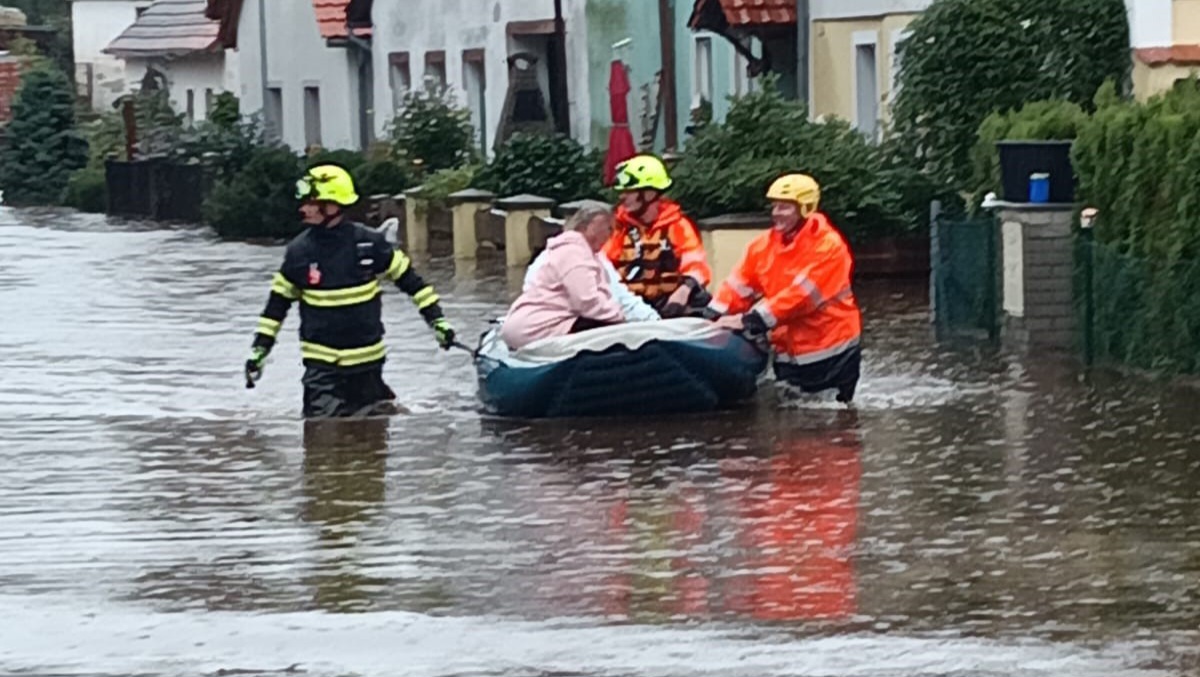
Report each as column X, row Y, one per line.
column 802, row 289
column 652, row 260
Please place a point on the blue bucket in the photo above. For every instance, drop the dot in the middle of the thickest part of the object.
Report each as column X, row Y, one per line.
column 1039, row 188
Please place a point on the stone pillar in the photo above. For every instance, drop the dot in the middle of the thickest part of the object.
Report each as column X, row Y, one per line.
column 463, row 206
column 521, row 210
column 416, row 229
column 725, row 238
column 1037, row 263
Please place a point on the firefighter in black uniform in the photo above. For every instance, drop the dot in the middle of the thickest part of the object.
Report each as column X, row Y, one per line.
column 334, row 269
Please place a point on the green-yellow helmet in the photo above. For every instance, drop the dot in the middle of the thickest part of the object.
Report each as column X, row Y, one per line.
column 329, row 183
column 642, row 171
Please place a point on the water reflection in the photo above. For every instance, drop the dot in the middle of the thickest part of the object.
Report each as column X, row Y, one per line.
column 345, row 464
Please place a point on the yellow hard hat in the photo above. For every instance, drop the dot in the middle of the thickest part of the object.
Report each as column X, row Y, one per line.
column 799, row 188
column 642, row 171
column 328, row 183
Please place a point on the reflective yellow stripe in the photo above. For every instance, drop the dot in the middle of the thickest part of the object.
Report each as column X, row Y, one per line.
column 400, row 265
column 425, row 298
column 281, row 286
column 341, row 297
column 343, row 358
column 268, row 327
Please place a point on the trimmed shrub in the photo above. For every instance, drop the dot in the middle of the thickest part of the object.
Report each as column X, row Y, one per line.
column 556, row 167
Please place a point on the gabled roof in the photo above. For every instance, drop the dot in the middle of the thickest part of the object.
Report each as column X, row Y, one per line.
column 742, row 13
column 332, row 17
column 168, row 28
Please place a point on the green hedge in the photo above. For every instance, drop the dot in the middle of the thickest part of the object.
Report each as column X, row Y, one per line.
column 555, row 166
column 1139, row 164
column 965, row 59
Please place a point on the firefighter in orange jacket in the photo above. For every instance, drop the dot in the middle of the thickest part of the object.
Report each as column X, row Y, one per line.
column 654, row 246
column 794, row 282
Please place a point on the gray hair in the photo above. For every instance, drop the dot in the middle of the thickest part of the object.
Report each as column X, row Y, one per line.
column 589, row 210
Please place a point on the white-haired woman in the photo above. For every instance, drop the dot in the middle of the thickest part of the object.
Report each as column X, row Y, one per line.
column 569, row 292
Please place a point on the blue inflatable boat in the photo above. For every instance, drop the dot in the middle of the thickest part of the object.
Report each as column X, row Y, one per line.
column 635, row 369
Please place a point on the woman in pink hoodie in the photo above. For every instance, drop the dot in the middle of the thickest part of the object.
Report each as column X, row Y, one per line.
column 570, row 292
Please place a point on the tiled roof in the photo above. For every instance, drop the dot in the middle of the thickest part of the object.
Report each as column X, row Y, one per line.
column 1177, row 55
column 168, row 28
column 749, row 12
column 331, row 19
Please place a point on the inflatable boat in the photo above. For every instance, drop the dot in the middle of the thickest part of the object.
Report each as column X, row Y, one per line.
column 635, row 369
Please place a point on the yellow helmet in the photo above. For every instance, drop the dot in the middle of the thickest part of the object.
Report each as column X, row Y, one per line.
column 642, row 171
column 799, row 188
column 329, row 183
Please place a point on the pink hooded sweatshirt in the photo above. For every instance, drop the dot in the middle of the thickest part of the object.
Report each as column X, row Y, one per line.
column 570, row 284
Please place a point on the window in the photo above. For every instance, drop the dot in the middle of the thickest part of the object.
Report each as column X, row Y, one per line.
column 866, row 84
column 191, row 106
column 435, row 68
column 475, row 84
column 399, row 78
column 702, row 75
column 743, row 84
column 312, row 116
column 273, row 112
column 210, row 100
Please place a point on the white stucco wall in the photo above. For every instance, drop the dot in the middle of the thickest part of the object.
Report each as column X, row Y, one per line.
column 827, row 10
column 95, row 24
column 452, row 26
column 197, row 73
column 1150, row 23
column 297, row 57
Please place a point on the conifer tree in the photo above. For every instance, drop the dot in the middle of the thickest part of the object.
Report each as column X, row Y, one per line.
column 43, row 147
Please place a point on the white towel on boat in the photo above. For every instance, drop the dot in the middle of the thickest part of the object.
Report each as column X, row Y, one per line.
column 632, row 335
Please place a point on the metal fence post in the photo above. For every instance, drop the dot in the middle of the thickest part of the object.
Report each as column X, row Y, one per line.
column 1086, row 220
column 935, row 253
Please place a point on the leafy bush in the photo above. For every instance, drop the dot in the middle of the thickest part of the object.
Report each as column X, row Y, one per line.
column 87, row 190
column 432, row 132
column 556, row 167
column 1040, row 120
column 382, row 177
column 965, row 59
column 226, row 110
column 225, row 149
column 728, row 166
column 43, row 148
column 440, row 185
column 259, row 200
column 351, row 160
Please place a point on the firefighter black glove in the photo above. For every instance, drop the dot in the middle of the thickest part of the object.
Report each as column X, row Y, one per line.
column 254, row 365
column 445, row 333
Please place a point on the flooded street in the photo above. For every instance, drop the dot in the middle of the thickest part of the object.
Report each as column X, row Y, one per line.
column 977, row 515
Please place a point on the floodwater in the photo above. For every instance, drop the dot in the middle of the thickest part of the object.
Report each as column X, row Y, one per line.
column 976, row 515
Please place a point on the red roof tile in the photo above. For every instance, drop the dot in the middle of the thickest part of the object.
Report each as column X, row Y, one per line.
column 1178, row 55
column 750, row 12
column 331, row 19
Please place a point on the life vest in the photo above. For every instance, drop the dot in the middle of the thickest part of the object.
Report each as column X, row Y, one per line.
column 801, row 289
column 652, row 260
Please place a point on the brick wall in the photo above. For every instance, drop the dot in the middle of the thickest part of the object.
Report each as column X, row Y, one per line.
column 10, row 78
column 1046, row 316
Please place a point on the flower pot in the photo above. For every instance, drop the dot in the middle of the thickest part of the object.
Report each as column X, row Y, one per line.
column 1020, row 160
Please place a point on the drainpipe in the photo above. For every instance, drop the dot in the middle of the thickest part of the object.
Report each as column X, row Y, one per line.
column 560, row 64
column 666, row 34
column 803, row 27
column 262, row 55
column 364, row 87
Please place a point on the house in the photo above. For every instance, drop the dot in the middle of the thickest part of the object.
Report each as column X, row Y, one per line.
column 853, row 58
column 1165, row 37
column 173, row 44
column 476, row 50
column 100, row 78
column 316, row 85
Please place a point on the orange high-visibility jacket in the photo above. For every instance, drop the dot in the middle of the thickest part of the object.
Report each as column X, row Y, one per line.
column 802, row 289
column 652, row 260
